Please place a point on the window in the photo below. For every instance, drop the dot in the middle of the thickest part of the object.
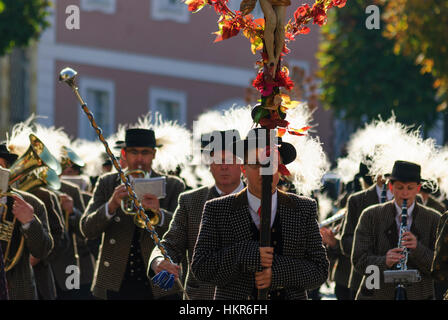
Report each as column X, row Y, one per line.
column 99, row 96
column 171, row 104
column 174, row 10
column 105, row 6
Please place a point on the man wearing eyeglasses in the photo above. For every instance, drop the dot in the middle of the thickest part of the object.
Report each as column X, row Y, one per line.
column 125, row 249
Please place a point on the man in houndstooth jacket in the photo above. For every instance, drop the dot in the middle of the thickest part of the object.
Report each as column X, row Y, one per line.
column 377, row 232
column 125, row 249
column 181, row 237
column 227, row 252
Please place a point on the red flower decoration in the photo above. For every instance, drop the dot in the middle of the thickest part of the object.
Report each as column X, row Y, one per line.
column 283, row 170
column 301, row 11
column 339, row 3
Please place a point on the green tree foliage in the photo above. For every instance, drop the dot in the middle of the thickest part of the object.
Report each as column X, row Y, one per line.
column 362, row 77
column 21, row 21
column 420, row 30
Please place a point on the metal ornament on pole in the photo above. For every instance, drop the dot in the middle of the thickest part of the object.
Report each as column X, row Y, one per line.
column 163, row 279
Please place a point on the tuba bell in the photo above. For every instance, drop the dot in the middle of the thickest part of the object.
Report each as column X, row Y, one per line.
column 36, row 156
column 127, row 204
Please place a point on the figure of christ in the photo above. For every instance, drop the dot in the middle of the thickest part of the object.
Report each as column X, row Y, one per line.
column 274, row 33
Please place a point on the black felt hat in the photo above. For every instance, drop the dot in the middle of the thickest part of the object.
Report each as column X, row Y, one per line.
column 138, row 138
column 253, row 140
column 405, row 171
column 5, row 154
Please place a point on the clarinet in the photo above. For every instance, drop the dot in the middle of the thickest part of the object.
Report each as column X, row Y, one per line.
column 402, row 265
column 400, row 292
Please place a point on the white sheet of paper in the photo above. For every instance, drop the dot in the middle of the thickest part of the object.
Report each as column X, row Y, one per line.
column 4, row 179
column 156, row 186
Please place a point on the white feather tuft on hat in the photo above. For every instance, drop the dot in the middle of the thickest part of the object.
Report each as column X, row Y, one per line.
column 363, row 144
column 91, row 152
column 18, row 142
column 311, row 162
column 407, row 146
column 174, row 142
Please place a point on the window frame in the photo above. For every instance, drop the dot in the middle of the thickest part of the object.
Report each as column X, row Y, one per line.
column 174, row 95
column 87, row 5
column 93, row 83
column 159, row 12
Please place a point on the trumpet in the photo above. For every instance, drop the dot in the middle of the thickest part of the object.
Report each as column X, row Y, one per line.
column 127, row 204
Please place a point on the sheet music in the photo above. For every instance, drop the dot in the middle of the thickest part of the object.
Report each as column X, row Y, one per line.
column 4, row 179
column 156, row 186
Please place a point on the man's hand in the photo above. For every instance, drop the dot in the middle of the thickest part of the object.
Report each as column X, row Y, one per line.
column 33, row 261
column 66, row 203
column 328, row 237
column 266, row 256
column 151, row 201
column 114, row 203
column 263, row 278
column 162, row 264
column 409, row 240
column 22, row 210
column 393, row 256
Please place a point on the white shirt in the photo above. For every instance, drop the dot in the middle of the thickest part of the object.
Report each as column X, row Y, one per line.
column 389, row 195
column 409, row 218
column 254, row 204
column 238, row 189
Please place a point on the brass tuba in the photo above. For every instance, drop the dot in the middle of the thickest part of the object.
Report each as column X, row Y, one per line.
column 35, row 157
column 127, row 204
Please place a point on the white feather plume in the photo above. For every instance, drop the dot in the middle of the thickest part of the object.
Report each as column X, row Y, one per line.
column 91, row 153
column 311, row 162
column 365, row 141
column 175, row 141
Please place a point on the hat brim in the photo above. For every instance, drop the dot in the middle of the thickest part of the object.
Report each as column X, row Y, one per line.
column 404, row 179
column 287, row 151
column 10, row 157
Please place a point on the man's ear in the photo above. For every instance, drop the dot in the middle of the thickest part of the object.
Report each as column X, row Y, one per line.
column 390, row 186
column 419, row 187
column 123, row 153
column 155, row 152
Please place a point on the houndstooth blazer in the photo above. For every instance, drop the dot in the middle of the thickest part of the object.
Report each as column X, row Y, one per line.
column 377, row 233
column 38, row 242
column 226, row 255
column 117, row 233
column 181, row 237
column 356, row 203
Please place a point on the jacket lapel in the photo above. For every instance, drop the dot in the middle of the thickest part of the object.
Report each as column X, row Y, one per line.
column 392, row 231
column 239, row 218
column 212, row 193
column 286, row 208
column 416, row 214
column 371, row 195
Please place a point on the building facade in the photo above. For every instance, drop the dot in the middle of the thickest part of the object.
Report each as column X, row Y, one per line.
column 136, row 56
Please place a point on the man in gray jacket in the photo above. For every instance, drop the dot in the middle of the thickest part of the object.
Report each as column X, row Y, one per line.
column 181, row 237
column 125, row 249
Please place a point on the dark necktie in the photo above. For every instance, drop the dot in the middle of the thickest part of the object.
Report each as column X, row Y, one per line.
column 384, row 194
